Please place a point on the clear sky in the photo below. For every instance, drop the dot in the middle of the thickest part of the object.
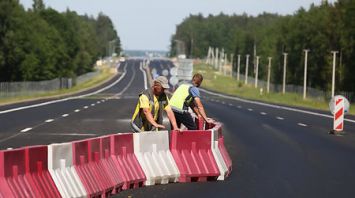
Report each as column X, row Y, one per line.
column 149, row 24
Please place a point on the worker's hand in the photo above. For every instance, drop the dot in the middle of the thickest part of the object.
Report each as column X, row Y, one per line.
column 177, row 129
column 210, row 120
column 159, row 126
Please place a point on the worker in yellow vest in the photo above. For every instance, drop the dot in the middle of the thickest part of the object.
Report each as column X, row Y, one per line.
column 148, row 114
column 185, row 96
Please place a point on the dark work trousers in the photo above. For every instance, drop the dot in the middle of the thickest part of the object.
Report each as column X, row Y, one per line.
column 185, row 119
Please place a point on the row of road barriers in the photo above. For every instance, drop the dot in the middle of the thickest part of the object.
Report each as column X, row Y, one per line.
column 106, row 165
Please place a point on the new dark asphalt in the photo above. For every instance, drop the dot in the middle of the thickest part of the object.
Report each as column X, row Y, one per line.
column 275, row 152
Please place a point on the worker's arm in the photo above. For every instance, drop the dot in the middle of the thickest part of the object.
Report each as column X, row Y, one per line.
column 171, row 117
column 150, row 119
column 201, row 110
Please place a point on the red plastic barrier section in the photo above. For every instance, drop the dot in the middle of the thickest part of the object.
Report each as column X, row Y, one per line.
column 126, row 162
column 24, row 173
column 193, row 156
column 218, row 127
column 86, row 160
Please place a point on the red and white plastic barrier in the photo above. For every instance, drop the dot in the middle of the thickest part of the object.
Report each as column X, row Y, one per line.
column 104, row 165
column 153, row 154
column 125, row 161
column 60, row 166
column 338, row 114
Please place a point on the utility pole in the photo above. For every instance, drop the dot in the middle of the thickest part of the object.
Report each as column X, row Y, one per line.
column 257, row 71
column 333, row 77
column 238, row 67
column 305, row 74
column 268, row 75
column 246, row 69
column 284, row 76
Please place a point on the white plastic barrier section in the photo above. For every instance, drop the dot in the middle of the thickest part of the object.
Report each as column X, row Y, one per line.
column 60, row 166
column 222, row 167
column 153, row 154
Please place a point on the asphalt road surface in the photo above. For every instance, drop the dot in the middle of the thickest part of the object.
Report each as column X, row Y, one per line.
column 276, row 152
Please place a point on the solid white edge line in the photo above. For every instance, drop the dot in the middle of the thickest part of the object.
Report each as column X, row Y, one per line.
column 273, row 106
column 65, row 99
column 25, row 130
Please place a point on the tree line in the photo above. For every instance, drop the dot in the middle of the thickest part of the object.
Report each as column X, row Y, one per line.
column 41, row 43
column 320, row 28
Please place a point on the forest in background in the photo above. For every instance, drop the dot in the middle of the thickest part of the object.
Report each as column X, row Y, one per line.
column 319, row 28
column 41, row 43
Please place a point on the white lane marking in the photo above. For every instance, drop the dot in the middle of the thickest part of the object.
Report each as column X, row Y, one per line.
column 273, row 106
column 102, row 100
column 263, row 113
column 280, row 118
column 86, row 107
column 128, row 85
column 239, row 107
column 145, row 77
column 69, row 134
column 250, row 109
column 49, row 120
column 301, row 124
column 217, row 101
column 98, row 102
column 92, row 105
column 66, row 99
column 223, row 102
column 230, row 104
column 65, row 115
column 77, row 110
column 25, row 130
column 212, row 100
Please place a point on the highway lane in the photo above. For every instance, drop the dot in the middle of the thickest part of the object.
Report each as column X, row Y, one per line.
column 102, row 113
column 275, row 153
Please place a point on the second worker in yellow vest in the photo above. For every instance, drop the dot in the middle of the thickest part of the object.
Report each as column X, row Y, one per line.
column 188, row 96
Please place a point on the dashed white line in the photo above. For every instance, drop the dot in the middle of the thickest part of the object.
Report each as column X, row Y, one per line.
column 25, row 130
column 301, row 124
column 65, row 115
column 98, row 102
column 92, row 105
column 49, row 120
column 77, row 110
column 230, row 104
column 223, row 102
column 263, row 113
column 280, row 118
column 250, row 109
column 239, row 107
column 86, row 107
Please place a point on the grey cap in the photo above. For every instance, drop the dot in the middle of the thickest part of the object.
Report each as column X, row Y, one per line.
column 163, row 81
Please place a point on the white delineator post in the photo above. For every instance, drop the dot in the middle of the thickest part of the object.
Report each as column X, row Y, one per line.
column 257, row 71
column 338, row 114
column 268, row 75
column 246, row 69
column 305, row 74
column 238, row 67
column 284, row 74
column 333, row 76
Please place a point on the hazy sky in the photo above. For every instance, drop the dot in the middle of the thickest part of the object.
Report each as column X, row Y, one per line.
column 149, row 24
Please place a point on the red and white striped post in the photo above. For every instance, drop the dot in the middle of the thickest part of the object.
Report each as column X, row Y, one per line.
column 338, row 125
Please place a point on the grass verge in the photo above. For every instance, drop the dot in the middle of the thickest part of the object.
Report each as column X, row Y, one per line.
column 105, row 74
column 215, row 81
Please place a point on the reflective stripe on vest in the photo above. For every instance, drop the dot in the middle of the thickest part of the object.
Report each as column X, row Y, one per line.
column 181, row 98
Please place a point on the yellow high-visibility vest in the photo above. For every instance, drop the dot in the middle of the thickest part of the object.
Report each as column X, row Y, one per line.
column 181, row 99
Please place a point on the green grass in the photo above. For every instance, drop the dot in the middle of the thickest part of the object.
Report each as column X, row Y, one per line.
column 213, row 80
column 104, row 75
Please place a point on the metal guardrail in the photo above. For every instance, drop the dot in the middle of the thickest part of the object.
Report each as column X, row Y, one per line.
column 28, row 88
